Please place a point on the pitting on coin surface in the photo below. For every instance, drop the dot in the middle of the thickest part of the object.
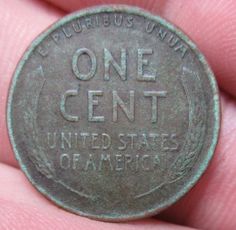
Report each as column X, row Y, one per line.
column 113, row 113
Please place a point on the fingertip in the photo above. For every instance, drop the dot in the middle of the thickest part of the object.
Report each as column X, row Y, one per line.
column 212, row 25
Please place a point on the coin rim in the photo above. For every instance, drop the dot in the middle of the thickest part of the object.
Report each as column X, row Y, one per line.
column 216, row 107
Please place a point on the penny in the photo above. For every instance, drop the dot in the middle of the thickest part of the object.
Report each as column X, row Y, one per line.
column 113, row 113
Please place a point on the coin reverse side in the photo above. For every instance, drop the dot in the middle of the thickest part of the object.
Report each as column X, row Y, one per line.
column 113, row 113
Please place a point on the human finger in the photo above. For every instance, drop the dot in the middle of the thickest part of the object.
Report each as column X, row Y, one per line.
column 20, row 22
column 22, row 207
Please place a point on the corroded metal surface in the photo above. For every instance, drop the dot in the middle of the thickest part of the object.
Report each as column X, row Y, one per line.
column 113, row 113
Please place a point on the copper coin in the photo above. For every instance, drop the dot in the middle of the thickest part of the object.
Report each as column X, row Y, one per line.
column 113, row 113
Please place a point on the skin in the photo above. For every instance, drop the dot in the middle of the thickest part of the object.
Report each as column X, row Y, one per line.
column 211, row 204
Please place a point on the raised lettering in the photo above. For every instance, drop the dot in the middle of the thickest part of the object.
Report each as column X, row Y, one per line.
column 65, row 161
column 129, row 112
column 106, row 141
column 64, row 97
column 65, row 140
column 91, row 55
column 154, row 95
column 91, row 103
column 144, row 62
column 76, row 158
column 105, row 158
column 109, row 60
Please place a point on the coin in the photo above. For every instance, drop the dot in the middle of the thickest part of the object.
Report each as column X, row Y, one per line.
column 113, row 113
